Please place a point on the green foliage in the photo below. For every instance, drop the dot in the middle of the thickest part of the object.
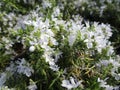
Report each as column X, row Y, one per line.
column 36, row 36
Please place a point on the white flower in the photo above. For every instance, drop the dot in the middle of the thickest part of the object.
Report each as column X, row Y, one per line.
column 6, row 88
column 58, row 54
column 110, row 51
column 27, row 22
column 44, row 39
column 71, row 39
column 115, row 74
column 54, row 67
column 56, row 11
column 79, row 3
column 32, row 85
column 3, row 77
column 115, row 63
column 69, row 84
column 46, row 4
column 24, row 68
column 103, row 84
column 32, row 48
column 105, row 62
column 53, row 41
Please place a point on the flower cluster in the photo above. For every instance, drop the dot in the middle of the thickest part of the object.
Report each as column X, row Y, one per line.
column 42, row 50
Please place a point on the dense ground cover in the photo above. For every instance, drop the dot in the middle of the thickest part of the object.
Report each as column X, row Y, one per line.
column 58, row 44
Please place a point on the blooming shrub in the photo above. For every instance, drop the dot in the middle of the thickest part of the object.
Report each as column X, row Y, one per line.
column 42, row 50
column 107, row 11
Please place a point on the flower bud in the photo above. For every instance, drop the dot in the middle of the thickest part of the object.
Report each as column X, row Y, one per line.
column 32, row 48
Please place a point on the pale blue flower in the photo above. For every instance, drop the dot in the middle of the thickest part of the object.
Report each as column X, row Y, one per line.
column 24, row 68
column 69, row 84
